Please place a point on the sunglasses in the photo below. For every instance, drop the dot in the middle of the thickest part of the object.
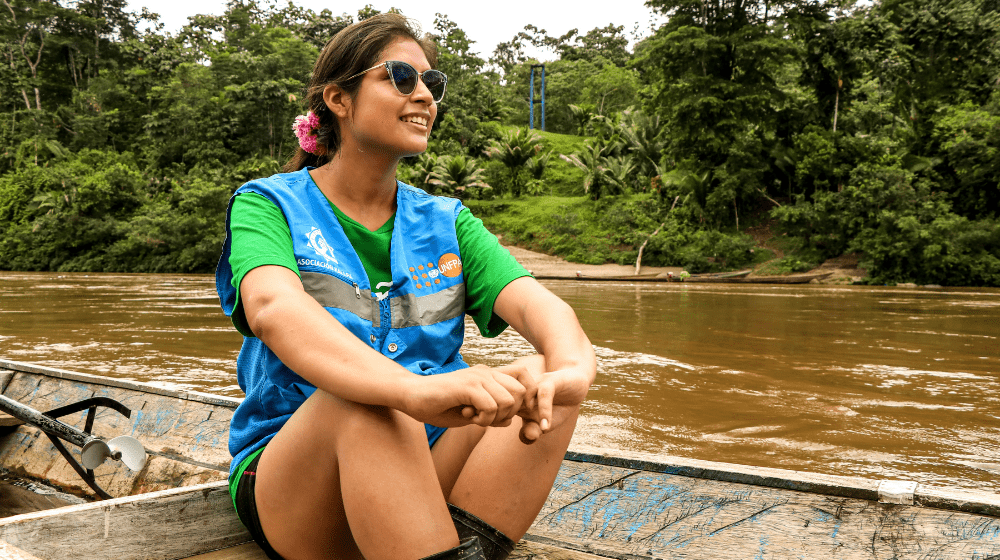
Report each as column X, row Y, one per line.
column 404, row 78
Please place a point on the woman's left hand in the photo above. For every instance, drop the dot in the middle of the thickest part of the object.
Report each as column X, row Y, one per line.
column 559, row 393
column 551, row 326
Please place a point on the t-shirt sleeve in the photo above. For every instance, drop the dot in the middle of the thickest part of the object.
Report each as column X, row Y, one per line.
column 488, row 268
column 260, row 236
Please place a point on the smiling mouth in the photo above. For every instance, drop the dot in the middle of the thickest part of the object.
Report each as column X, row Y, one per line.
column 418, row 120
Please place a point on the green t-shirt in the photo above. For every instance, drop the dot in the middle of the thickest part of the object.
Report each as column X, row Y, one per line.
column 260, row 236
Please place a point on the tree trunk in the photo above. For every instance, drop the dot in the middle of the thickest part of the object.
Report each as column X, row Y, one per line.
column 638, row 260
column 836, row 104
column 72, row 69
column 776, row 203
column 97, row 33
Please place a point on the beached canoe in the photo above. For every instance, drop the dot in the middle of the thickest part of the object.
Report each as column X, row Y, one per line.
column 790, row 279
column 716, row 276
column 619, row 505
column 738, row 277
column 657, row 277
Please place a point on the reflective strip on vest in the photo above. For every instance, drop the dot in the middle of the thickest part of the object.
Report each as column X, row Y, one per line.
column 411, row 310
column 331, row 291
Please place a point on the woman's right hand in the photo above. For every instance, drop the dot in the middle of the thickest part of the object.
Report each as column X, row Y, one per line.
column 476, row 395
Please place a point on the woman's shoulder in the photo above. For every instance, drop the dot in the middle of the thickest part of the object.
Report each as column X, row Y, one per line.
column 276, row 184
column 419, row 197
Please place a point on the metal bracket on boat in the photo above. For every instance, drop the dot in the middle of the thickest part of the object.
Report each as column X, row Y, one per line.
column 93, row 451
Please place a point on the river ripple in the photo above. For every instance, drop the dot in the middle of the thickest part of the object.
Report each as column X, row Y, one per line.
column 866, row 381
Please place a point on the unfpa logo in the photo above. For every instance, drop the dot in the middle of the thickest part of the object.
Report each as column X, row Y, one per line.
column 318, row 243
column 448, row 265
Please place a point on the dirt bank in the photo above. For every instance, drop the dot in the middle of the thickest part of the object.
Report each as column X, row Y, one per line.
column 844, row 269
column 542, row 264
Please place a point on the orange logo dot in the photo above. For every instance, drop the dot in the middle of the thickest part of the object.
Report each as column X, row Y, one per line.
column 428, row 284
column 450, row 265
column 419, row 285
column 430, row 265
column 415, row 277
column 411, row 269
column 421, row 267
column 437, row 280
column 424, row 275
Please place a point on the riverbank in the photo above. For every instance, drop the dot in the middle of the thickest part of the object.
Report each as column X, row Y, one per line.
column 548, row 265
column 843, row 270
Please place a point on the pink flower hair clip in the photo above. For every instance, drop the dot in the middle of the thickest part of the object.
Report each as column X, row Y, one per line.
column 306, row 129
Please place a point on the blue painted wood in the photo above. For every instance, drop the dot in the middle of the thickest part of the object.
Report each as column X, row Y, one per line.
column 622, row 512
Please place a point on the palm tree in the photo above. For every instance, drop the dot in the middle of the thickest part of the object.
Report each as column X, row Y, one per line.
column 537, row 164
column 619, row 173
column 582, row 115
column 593, row 163
column 419, row 172
column 455, row 175
column 642, row 133
column 514, row 150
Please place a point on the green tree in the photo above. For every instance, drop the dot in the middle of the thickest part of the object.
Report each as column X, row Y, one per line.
column 514, row 150
column 457, row 175
column 712, row 74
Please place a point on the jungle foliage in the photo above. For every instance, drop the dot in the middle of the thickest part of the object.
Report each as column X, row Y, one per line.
column 869, row 128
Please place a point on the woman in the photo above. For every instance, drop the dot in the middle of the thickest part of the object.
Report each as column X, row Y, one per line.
column 346, row 284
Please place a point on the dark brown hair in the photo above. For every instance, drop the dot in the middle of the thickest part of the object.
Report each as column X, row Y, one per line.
column 354, row 49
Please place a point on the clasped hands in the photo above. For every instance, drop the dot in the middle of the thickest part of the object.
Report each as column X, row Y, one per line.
column 493, row 396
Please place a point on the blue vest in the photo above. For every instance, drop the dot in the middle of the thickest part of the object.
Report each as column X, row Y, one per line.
column 419, row 323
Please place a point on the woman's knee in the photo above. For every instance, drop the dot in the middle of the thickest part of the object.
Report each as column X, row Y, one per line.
column 353, row 421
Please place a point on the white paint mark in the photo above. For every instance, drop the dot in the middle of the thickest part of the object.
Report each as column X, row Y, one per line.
column 896, row 492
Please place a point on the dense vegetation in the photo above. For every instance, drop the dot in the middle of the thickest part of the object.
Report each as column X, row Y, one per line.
column 870, row 129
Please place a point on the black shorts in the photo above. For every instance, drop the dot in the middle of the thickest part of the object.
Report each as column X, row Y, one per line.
column 495, row 544
column 246, row 507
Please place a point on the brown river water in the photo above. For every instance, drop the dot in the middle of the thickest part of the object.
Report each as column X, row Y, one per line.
column 858, row 381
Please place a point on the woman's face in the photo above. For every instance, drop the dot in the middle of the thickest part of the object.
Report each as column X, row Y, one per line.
column 387, row 121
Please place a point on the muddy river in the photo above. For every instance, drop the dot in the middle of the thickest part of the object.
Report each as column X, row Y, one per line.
column 863, row 381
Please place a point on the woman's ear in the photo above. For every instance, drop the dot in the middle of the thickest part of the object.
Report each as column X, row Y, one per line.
column 337, row 100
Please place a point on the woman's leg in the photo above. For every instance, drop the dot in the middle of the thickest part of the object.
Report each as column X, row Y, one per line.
column 340, row 477
column 491, row 474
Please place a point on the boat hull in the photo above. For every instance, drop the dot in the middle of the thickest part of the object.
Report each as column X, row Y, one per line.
column 621, row 505
column 185, row 434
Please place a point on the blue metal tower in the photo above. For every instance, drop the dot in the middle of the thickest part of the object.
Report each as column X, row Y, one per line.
column 531, row 97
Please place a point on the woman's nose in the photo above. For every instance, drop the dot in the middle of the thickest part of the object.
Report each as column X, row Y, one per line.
column 421, row 92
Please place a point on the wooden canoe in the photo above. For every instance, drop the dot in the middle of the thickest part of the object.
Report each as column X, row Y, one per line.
column 790, row 279
column 621, row 506
column 658, row 277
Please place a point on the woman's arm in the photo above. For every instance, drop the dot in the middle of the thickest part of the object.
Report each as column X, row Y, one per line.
column 312, row 343
column 551, row 326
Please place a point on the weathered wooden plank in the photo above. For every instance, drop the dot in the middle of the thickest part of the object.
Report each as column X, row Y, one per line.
column 832, row 485
column 245, row 551
column 10, row 552
column 11, row 366
column 164, row 525
column 185, row 437
column 526, row 550
column 536, row 548
column 617, row 511
column 594, row 512
column 980, row 503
